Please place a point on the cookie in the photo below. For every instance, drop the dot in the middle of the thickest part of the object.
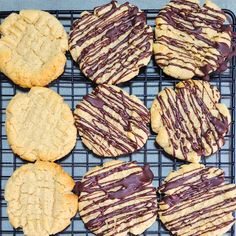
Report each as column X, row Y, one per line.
column 32, row 48
column 111, row 122
column 189, row 120
column 191, row 40
column 197, row 201
column 117, row 198
column 39, row 199
column 39, row 125
column 112, row 43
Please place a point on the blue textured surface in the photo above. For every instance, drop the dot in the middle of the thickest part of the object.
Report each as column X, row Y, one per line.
column 90, row 4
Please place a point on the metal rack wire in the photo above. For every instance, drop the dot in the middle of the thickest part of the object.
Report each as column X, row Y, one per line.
column 73, row 85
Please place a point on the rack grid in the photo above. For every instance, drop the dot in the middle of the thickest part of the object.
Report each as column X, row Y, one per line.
column 73, row 85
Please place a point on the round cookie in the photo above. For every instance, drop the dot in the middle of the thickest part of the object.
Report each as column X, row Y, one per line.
column 39, row 199
column 197, row 201
column 39, row 125
column 32, row 48
column 111, row 122
column 189, row 120
column 112, row 43
column 191, row 40
column 117, row 198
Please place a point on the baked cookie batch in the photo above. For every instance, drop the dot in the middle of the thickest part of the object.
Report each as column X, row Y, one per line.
column 110, row 45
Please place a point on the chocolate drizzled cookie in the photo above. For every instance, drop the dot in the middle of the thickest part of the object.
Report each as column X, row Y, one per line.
column 117, row 198
column 112, row 43
column 192, row 40
column 111, row 122
column 197, row 201
column 189, row 120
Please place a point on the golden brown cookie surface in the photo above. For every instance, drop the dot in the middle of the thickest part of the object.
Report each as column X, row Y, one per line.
column 117, row 198
column 189, row 121
column 191, row 40
column 112, row 43
column 111, row 122
column 197, row 201
column 40, row 125
column 39, row 199
column 32, row 48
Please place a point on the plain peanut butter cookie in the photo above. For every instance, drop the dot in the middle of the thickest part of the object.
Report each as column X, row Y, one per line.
column 32, row 48
column 112, row 43
column 111, row 122
column 117, row 198
column 39, row 199
column 40, row 125
column 189, row 121
column 192, row 40
column 197, row 201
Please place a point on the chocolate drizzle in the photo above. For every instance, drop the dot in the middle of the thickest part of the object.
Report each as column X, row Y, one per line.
column 188, row 119
column 195, row 199
column 189, row 22
column 111, row 44
column 113, row 114
column 115, row 199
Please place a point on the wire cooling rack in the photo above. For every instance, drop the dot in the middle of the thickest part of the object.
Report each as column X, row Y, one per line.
column 73, row 85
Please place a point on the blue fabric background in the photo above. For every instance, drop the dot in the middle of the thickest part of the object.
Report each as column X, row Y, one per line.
column 90, row 4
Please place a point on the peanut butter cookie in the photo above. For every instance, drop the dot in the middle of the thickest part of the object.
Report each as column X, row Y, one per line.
column 39, row 125
column 112, row 43
column 197, row 201
column 111, row 122
column 39, row 199
column 192, row 40
column 189, row 121
column 117, row 198
column 32, row 48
